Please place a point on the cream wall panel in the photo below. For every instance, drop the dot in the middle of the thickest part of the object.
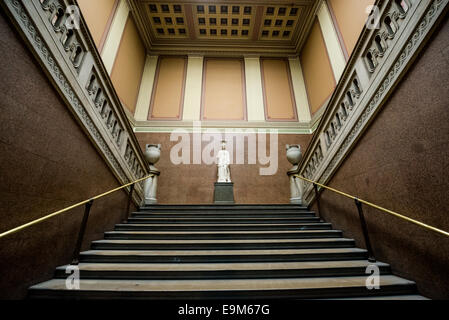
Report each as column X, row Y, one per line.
column 330, row 36
column 254, row 93
column 299, row 88
column 146, row 89
column 114, row 37
column 193, row 87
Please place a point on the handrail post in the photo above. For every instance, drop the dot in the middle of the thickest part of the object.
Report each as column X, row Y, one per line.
column 76, row 252
column 130, row 198
column 317, row 197
column 365, row 231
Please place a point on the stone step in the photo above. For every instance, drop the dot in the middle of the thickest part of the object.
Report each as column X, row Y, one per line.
column 222, row 220
column 222, row 244
column 227, row 207
column 392, row 297
column 221, row 227
column 178, row 235
column 171, row 271
column 298, row 288
column 222, row 214
column 221, row 256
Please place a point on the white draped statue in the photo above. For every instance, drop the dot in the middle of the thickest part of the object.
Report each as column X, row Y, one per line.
column 223, row 161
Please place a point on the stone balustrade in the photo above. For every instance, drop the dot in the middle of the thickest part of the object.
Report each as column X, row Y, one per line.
column 59, row 39
column 381, row 57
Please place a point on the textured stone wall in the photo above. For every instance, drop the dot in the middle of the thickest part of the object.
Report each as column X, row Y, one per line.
column 194, row 183
column 402, row 163
column 46, row 163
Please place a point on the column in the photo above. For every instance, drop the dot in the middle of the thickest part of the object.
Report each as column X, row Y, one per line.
column 299, row 89
column 193, row 88
column 254, row 93
column 114, row 37
column 333, row 46
column 146, row 89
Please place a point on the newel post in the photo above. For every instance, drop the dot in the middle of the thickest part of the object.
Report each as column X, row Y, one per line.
column 152, row 155
column 294, row 157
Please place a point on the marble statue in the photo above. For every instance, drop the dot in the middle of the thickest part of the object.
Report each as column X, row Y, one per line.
column 223, row 161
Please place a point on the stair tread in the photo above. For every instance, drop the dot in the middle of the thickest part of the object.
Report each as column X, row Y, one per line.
column 224, row 232
column 221, row 285
column 217, row 252
column 222, row 241
column 223, row 218
column 393, row 297
column 220, row 224
column 223, row 266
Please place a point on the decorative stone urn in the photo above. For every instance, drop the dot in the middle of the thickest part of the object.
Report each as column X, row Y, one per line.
column 294, row 157
column 293, row 153
column 152, row 155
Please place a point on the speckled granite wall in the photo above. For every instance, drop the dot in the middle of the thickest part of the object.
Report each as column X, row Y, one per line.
column 46, row 163
column 194, row 183
column 402, row 163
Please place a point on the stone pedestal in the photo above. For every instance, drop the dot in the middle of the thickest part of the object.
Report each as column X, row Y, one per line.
column 224, row 193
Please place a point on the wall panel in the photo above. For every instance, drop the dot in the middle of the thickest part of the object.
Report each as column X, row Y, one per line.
column 98, row 15
column 278, row 94
column 168, row 90
column 317, row 69
column 128, row 66
column 224, row 93
column 349, row 17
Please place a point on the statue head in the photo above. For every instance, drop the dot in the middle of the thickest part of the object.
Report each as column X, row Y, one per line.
column 223, row 144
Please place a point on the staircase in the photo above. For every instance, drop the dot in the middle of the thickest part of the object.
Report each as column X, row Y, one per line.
column 221, row 252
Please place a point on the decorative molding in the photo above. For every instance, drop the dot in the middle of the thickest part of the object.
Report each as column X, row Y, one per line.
column 72, row 62
column 333, row 141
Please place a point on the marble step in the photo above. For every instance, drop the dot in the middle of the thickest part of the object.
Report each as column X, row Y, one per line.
column 221, row 256
column 221, row 214
column 293, row 288
column 191, row 235
column 231, row 207
column 221, row 227
column 171, row 271
column 222, row 244
column 223, row 220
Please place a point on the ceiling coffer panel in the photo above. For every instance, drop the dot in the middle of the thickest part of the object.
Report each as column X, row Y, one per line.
column 207, row 25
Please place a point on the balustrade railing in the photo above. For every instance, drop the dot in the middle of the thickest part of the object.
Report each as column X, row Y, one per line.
column 59, row 38
column 385, row 50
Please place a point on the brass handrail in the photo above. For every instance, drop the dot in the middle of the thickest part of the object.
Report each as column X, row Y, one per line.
column 419, row 223
column 26, row 225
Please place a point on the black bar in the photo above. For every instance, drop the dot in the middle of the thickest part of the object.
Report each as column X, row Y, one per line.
column 317, row 197
column 76, row 252
column 365, row 231
column 130, row 198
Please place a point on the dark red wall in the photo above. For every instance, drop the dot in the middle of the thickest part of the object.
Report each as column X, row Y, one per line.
column 194, row 183
column 402, row 163
column 46, row 163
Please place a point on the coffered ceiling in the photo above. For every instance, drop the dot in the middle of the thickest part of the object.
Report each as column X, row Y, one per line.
column 224, row 27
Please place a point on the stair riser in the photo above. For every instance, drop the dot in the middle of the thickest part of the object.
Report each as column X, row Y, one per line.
column 224, row 228
column 222, row 207
column 207, row 236
column 220, row 221
column 321, row 293
column 222, row 259
column 219, row 275
column 213, row 246
column 224, row 215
